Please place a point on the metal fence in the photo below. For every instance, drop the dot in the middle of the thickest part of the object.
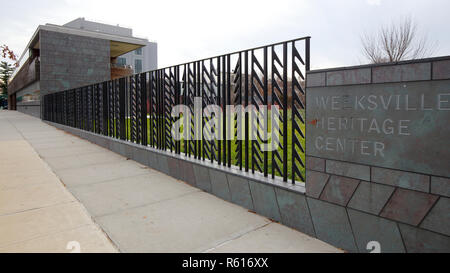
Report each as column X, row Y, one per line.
column 138, row 108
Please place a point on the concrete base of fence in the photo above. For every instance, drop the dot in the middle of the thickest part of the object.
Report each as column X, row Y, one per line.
column 32, row 108
column 280, row 201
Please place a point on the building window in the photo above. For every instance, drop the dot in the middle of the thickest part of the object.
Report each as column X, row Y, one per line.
column 138, row 51
column 121, row 61
column 137, row 66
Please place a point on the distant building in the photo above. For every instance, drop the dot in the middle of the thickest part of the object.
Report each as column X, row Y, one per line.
column 79, row 53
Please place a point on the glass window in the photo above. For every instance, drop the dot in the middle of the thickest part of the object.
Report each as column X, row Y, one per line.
column 121, row 61
column 137, row 66
column 138, row 51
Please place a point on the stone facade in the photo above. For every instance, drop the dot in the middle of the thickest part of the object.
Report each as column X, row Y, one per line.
column 70, row 61
column 402, row 204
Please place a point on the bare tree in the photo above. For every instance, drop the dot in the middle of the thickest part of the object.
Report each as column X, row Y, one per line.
column 396, row 42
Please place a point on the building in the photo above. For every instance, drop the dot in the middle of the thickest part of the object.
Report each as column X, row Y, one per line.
column 79, row 53
column 141, row 59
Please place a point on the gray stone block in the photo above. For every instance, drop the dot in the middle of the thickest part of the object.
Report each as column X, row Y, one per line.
column 219, row 184
column 115, row 146
column 315, row 164
column 401, row 179
column 103, row 142
column 152, row 160
column 339, row 190
column 441, row 70
column 440, row 186
column 174, row 169
column 315, row 79
column 367, row 228
column 348, row 77
column 294, row 211
column 422, row 241
column 315, row 182
column 370, row 197
column 331, row 224
column 187, row 172
column 265, row 200
column 202, row 178
column 408, row 206
column 348, row 169
column 383, row 74
column 140, row 155
column 401, row 73
column 329, row 133
column 126, row 150
column 162, row 164
column 240, row 191
column 438, row 219
column 416, row 72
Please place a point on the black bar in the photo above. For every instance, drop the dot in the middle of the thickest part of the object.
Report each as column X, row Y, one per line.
column 144, row 139
column 266, row 155
column 247, row 159
column 121, row 105
column 285, row 113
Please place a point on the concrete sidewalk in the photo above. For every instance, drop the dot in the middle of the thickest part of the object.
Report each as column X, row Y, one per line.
column 37, row 213
column 140, row 209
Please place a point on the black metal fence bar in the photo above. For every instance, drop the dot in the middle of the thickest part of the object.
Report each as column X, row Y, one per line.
column 138, row 108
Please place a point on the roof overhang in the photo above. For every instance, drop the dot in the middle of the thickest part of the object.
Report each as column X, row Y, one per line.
column 119, row 44
column 120, row 48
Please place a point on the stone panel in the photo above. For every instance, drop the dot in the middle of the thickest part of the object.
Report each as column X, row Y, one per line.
column 152, row 160
column 315, row 182
column 315, row 79
column 416, row 72
column 383, row 74
column 240, row 191
column 408, row 206
column 401, row 179
column 440, row 185
column 162, row 164
column 294, row 211
column 438, row 219
column 348, row 169
column 202, row 179
column 367, row 228
column 219, row 184
column 350, row 76
column 187, row 172
column 140, row 155
column 441, row 70
column 370, row 197
column 315, row 164
column 382, row 125
column 174, row 169
column 265, row 200
column 331, row 224
column 423, row 241
column 339, row 190
column 70, row 61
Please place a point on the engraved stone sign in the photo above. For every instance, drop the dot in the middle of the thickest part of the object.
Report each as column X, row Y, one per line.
column 403, row 126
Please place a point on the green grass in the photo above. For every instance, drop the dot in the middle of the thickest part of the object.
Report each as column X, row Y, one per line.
column 234, row 144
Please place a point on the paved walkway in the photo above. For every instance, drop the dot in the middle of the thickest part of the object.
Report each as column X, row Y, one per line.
column 140, row 209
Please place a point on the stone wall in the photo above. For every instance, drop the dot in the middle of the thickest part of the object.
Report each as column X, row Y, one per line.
column 70, row 61
column 32, row 108
column 347, row 201
column 378, row 155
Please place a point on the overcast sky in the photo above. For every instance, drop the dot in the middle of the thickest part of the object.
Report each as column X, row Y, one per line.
column 189, row 30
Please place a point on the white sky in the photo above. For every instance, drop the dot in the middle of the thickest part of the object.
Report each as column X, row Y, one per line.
column 190, row 29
